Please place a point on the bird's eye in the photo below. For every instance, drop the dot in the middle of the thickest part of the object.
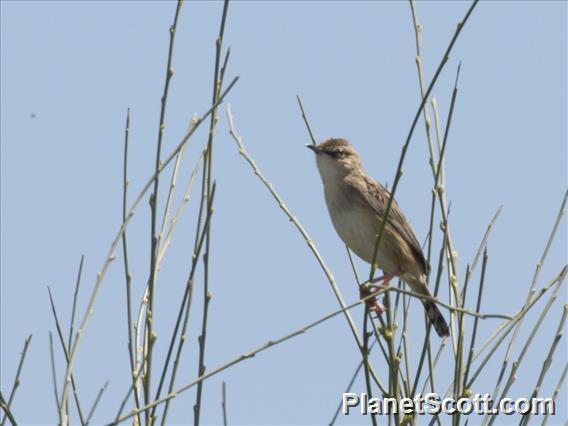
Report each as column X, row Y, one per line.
column 338, row 152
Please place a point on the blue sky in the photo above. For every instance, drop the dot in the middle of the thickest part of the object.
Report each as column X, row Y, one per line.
column 77, row 66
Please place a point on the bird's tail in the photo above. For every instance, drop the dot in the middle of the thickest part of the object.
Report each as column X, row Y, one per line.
column 436, row 318
column 420, row 286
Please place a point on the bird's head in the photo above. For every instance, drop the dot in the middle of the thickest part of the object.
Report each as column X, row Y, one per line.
column 335, row 158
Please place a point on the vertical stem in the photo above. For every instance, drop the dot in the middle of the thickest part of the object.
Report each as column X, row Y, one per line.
column 16, row 379
column 394, row 361
column 407, row 368
column 312, row 137
column 429, row 323
column 54, row 378
column 127, row 275
column 548, row 361
column 366, row 359
column 188, row 291
column 224, row 404
column 6, row 408
column 475, row 322
column 459, row 383
column 349, row 385
column 208, row 167
column 150, row 334
column 427, row 122
column 96, row 402
column 63, row 405
column 73, row 309
column 557, row 390
column 187, row 303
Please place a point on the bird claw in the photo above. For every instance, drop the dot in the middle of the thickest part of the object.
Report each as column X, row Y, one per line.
column 376, row 307
column 373, row 304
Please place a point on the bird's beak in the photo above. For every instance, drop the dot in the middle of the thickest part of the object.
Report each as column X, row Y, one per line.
column 314, row 148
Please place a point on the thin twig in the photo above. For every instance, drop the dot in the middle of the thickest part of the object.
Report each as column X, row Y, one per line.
column 314, row 142
column 167, row 207
column 127, row 276
column 54, row 377
column 73, row 308
column 217, row 84
column 375, row 330
column 483, row 242
column 136, row 375
column 75, row 294
column 434, row 104
column 139, row 352
column 66, row 353
column 429, row 323
column 96, row 402
column 403, row 343
column 150, row 335
column 548, row 361
column 349, row 385
column 482, row 245
column 224, row 403
column 366, row 363
column 389, row 333
column 183, row 203
column 475, row 323
column 430, row 377
column 6, row 408
column 16, row 380
column 557, row 390
column 458, row 364
column 417, row 33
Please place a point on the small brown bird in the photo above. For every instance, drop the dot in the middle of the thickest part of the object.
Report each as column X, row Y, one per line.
column 357, row 204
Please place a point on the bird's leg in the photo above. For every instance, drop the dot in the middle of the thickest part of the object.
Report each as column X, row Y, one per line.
column 366, row 290
column 385, row 279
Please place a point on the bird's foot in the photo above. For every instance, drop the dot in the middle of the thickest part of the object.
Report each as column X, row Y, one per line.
column 373, row 304
column 370, row 288
column 376, row 307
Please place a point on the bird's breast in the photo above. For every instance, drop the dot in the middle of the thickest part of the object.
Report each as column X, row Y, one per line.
column 357, row 226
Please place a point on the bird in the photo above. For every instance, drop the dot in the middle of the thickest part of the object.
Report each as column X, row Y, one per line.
column 357, row 203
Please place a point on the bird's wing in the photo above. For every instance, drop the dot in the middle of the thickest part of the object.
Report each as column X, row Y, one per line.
column 377, row 200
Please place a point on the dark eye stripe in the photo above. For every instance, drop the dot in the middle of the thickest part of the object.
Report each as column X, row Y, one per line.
column 336, row 153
